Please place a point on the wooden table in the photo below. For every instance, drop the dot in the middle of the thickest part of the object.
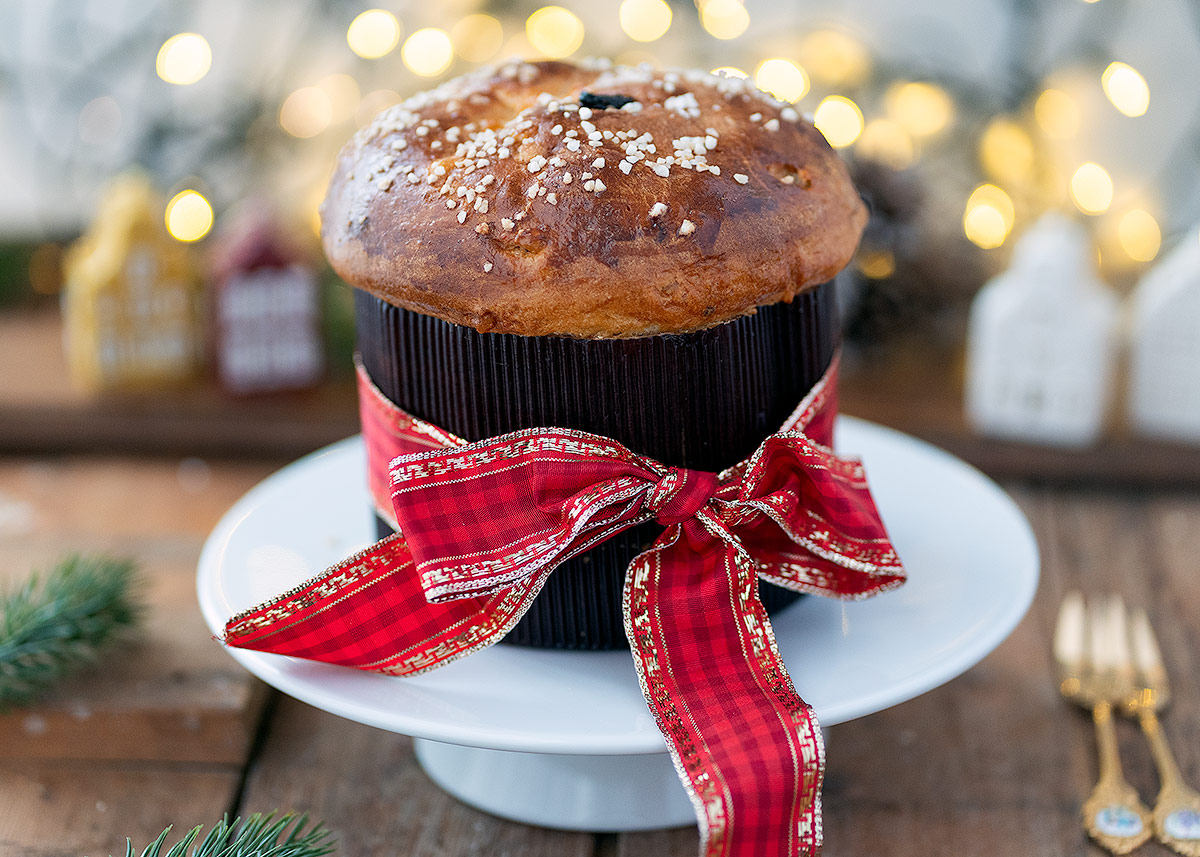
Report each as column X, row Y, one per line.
column 171, row 731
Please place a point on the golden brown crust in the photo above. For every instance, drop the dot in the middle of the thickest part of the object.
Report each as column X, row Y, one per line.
column 711, row 199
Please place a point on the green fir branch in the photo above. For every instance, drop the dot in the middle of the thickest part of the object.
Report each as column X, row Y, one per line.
column 52, row 625
column 260, row 836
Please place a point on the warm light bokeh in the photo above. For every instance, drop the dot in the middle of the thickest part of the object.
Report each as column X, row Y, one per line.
column 373, row 34
column 835, row 58
column 477, row 38
column 1006, row 151
column 781, row 78
column 876, row 264
column 924, row 109
column 428, row 52
column 343, row 93
column 1057, row 114
column 989, row 217
column 1140, row 235
column 1092, row 189
column 1126, row 89
column 888, row 143
column 306, row 112
column 839, row 119
column 554, row 31
column 189, row 217
column 184, row 59
column 724, row 19
column 645, row 20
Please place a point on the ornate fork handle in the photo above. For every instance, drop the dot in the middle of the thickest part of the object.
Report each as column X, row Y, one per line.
column 1177, row 810
column 1113, row 815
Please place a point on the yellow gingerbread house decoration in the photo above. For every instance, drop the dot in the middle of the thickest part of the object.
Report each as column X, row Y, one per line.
column 131, row 297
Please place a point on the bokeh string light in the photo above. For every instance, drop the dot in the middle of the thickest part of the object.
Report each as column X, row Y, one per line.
column 886, row 142
column 428, row 52
column 189, row 216
column 184, row 59
column 477, row 38
column 645, row 20
column 306, row 112
column 923, row 109
column 554, row 32
column 1092, row 188
column 1139, row 235
column 724, row 19
column 1006, row 151
column 374, row 33
column 839, row 119
column 989, row 216
column 344, row 96
column 834, row 58
column 782, row 78
column 1057, row 114
column 876, row 264
column 1126, row 89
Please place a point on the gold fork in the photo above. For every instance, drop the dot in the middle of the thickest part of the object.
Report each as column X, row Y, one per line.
column 1094, row 674
column 1177, row 809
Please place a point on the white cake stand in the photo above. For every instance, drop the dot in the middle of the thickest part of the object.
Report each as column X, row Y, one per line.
column 564, row 739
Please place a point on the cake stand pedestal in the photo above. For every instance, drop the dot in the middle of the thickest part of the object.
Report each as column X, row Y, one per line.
column 596, row 793
column 564, row 739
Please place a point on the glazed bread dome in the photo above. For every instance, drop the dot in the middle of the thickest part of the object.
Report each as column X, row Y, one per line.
column 589, row 201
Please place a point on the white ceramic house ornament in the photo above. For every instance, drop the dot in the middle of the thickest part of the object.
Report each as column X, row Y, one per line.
column 1164, row 370
column 1041, row 342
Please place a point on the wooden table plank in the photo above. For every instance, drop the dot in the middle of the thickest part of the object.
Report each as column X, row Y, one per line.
column 160, row 733
column 365, row 784
column 171, row 695
column 1174, row 608
column 53, row 809
column 681, row 842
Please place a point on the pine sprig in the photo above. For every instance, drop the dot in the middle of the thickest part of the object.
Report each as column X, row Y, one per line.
column 52, row 625
column 260, row 836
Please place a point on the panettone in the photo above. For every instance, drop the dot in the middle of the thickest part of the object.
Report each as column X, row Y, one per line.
column 644, row 255
column 589, row 201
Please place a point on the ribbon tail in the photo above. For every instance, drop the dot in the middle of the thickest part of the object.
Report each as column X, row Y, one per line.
column 370, row 612
column 746, row 747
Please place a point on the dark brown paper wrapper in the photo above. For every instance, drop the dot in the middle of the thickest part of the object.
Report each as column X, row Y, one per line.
column 703, row 400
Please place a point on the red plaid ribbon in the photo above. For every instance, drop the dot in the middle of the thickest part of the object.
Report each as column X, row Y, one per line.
column 485, row 523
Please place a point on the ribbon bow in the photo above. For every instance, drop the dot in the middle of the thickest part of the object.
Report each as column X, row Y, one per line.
column 483, row 525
